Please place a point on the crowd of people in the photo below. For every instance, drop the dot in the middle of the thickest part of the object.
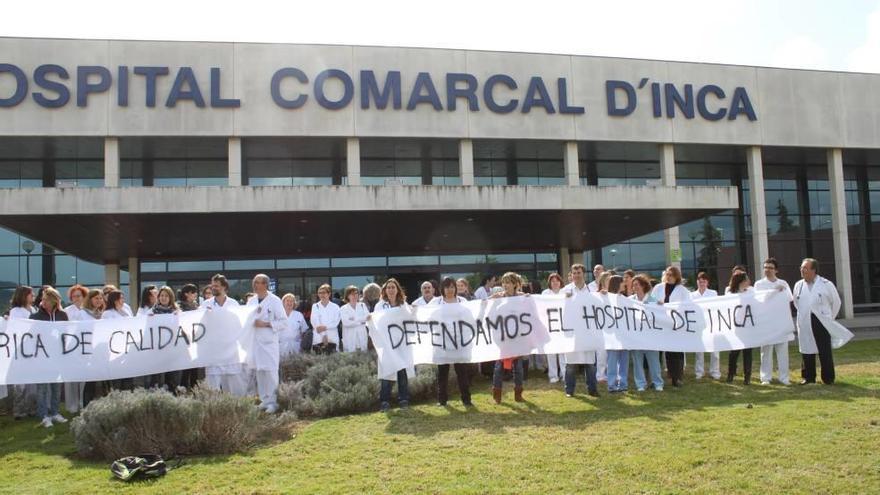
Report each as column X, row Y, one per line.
column 340, row 325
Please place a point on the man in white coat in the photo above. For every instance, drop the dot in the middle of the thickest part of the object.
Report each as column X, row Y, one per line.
column 577, row 286
column 268, row 320
column 704, row 291
column 231, row 378
column 817, row 303
column 771, row 282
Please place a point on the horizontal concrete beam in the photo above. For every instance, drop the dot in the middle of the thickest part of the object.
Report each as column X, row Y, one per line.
column 134, row 200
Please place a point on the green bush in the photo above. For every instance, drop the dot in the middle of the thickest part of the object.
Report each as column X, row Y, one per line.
column 155, row 421
column 341, row 383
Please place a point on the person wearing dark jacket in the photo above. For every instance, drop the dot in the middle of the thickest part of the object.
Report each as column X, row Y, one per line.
column 49, row 394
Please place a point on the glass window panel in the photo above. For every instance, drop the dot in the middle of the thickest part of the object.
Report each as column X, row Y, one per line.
column 195, row 266
column 9, row 275
column 412, row 260
column 249, row 264
column 546, row 257
column 153, row 266
column 303, row 263
column 377, row 261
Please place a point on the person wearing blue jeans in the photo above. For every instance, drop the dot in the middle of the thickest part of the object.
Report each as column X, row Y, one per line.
column 498, row 375
column 641, row 287
column 653, row 359
column 571, row 370
column 49, row 394
column 618, row 371
column 402, row 391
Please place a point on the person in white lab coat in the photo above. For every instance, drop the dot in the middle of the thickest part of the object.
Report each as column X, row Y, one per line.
column 817, row 303
column 669, row 291
column 703, row 291
column 573, row 360
column 484, row 291
column 325, row 320
column 354, row 321
column 269, row 320
column 231, row 378
column 598, row 270
column 24, row 396
column 555, row 362
column 771, row 282
column 290, row 339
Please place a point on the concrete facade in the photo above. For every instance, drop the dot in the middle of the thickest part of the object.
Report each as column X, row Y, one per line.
column 793, row 107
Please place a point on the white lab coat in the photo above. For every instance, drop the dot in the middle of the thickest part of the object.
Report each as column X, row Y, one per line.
column 112, row 314
column 439, row 300
column 482, row 293
column 421, row 301
column 354, row 326
column 72, row 312
column 329, row 316
column 225, row 369
column 266, row 352
column 696, row 294
column 823, row 301
column 579, row 357
column 290, row 339
column 679, row 293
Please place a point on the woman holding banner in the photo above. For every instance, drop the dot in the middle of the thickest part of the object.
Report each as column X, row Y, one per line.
column 77, row 398
column 49, row 394
column 23, row 396
column 669, row 291
column 617, row 360
column 641, row 287
column 165, row 305
column 555, row 362
column 511, row 283
column 393, row 296
column 463, row 371
column 739, row 283
column 148, row 299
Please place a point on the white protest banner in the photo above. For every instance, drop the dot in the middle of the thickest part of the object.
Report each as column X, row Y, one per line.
column 479, row 331
column 79, row 351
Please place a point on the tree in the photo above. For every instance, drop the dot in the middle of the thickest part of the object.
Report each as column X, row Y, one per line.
column 786, row 224
column 711, row 239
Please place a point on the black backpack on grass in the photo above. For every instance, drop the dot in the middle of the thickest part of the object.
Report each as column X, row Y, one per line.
column 139, row 466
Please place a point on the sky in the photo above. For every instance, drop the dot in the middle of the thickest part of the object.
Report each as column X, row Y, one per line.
column 839, row 35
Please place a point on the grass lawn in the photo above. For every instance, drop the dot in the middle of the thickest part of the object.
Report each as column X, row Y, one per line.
column 706, row 437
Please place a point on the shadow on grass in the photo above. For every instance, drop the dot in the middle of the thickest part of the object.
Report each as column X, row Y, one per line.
column 581, row 411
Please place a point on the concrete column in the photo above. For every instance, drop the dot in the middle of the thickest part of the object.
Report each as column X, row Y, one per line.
column 760, row 249
column 111, row 162
column 111, row 274
column 466, row 161
column 234, row 159
column 671, row 242
column 353, row 161
column 570, row 159
column 564, row 262
column 839, row 230
column 134, row 281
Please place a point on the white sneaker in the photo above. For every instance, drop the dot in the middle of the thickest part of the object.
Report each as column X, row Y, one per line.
column 786, row 382
column 47, row 422
column 58, row 418
column 765, row 383
column 554, row 380
column 271, row 409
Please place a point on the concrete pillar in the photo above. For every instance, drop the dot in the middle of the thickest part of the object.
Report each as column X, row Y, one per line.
column 570, row 159
column 671, row 242
column 111, row 162
column 466, row 161
column 353, row 161
column 134, row 281
column 564, row 262
column 111, row 274
column 234, row 159
column 760, row 249
column 839, row 230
